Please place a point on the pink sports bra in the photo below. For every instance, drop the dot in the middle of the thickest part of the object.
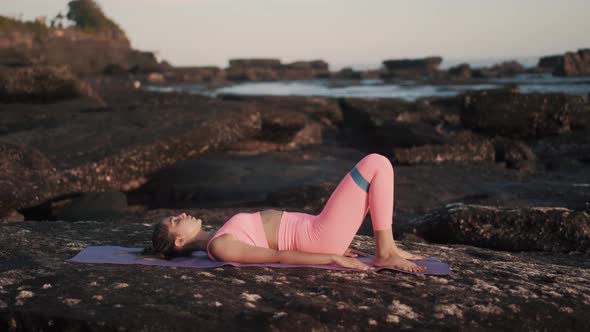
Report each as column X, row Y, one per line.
column 247, row 227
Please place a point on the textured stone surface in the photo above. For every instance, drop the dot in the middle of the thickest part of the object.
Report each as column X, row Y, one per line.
column 488, row 290
column 411, row 68
column 42, row 84
column 26, row 177
column 472, row 151
column 515, row 115
column 115, row 149
column 388, row 123
column 529, row 228
column 574, row 64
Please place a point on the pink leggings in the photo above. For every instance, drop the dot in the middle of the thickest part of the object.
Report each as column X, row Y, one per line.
column 369, row 185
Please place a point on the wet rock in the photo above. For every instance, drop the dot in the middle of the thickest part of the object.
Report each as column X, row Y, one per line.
column 515, row 115
column 574, row 64
column 530, row 228
column 42, row 84
column 413, row 68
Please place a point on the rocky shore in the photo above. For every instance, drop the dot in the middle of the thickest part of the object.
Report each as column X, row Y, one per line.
column 495, row 182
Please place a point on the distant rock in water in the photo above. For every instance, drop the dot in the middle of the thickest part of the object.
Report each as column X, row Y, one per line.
column 574, row 64
column 461, row 71
column 412, row 68
column 503, row 69
column 568, row 64
column 254, row 63
column 42, row 84
column 273, row 70
column 549, row 63
column 469, row 151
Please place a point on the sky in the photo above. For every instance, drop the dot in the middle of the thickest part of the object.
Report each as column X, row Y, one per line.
column 357, row 33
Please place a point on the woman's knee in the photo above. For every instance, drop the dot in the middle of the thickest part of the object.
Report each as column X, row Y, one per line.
column 379, row 161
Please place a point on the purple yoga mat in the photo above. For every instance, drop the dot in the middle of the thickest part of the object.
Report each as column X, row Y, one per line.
column 199, row 259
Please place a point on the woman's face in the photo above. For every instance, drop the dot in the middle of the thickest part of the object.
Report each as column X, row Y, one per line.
column 183, row 226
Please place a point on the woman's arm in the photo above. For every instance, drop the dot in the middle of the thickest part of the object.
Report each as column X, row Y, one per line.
column 231, row 250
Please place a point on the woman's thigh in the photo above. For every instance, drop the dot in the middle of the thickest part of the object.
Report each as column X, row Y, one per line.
column 334, row 228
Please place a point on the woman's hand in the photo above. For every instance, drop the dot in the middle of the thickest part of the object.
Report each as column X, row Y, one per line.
column 354, row 253
column 351, row 262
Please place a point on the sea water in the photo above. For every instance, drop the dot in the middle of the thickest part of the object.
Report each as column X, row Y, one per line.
column 405, row 89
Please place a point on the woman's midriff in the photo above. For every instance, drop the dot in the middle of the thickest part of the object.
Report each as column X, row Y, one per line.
column 271, row 221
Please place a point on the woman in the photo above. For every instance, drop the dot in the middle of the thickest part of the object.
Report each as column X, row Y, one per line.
column 273, row 236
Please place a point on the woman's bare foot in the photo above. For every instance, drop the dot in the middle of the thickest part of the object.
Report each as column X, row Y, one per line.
column 395, row 260
column 407, row 255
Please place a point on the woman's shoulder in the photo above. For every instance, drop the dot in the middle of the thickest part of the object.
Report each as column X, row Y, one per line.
column 218, row 240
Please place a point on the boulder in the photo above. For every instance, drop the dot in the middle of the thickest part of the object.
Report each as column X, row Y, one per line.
column 27, row 177
column 515, row 115
column 574, row 64
column 516, row 229
column 413, row 68
column 42, row 84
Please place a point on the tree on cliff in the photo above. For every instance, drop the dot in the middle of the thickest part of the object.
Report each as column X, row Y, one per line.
column 89, row 17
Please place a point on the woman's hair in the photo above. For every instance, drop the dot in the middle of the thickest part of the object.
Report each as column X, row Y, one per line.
column 163, row 244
